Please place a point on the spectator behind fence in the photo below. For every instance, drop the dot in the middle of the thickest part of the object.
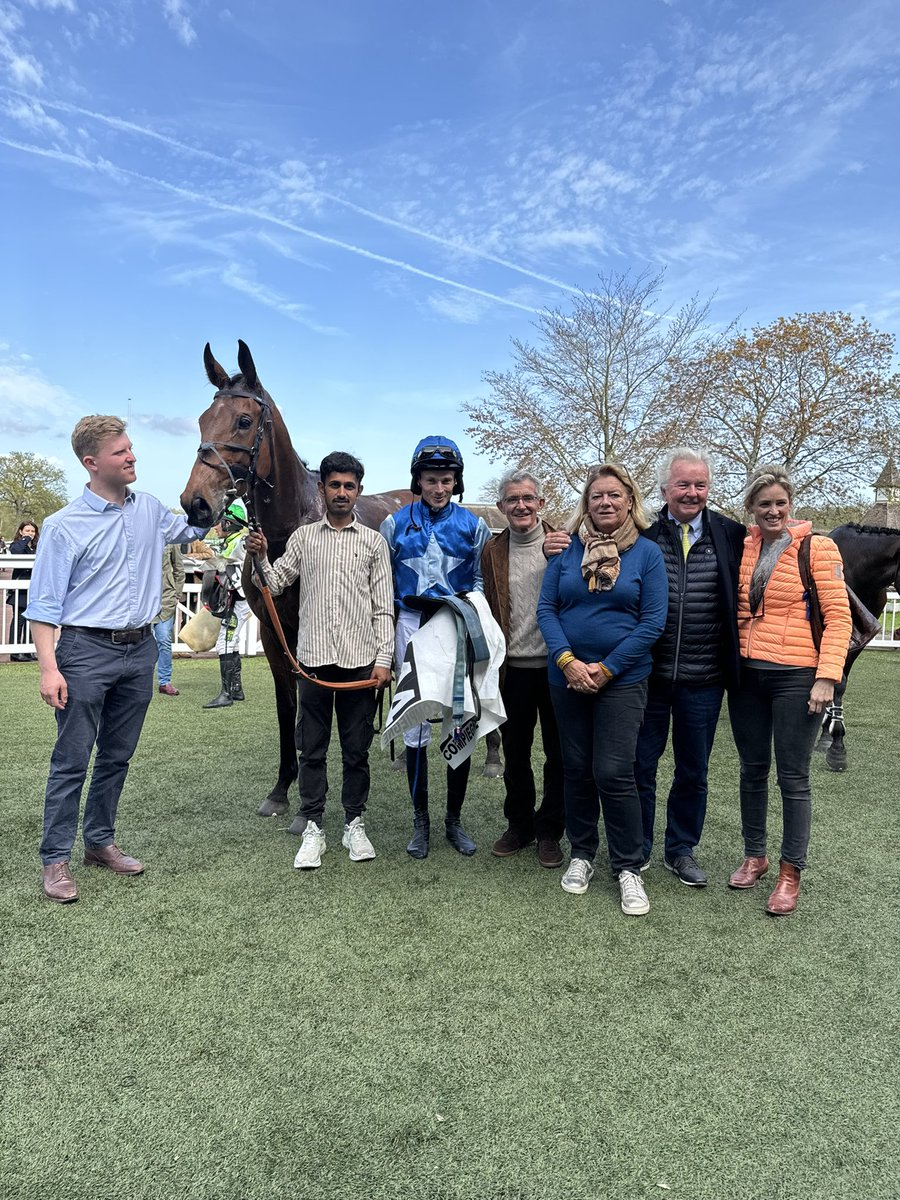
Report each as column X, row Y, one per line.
column 164, row 625
column 785, row 683
column 513, row 566
column 602, row 606
column 25, row 542
column 97, row 575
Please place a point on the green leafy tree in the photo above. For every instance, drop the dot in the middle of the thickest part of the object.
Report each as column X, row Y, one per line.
column 31, row 488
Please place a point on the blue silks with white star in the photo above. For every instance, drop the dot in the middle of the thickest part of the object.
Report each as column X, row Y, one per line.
column 435, row 554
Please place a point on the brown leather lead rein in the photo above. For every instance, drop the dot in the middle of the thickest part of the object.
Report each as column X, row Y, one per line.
column 353, row 685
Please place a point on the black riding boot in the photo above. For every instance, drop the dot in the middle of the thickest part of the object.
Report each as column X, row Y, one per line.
column 417, row 777
column 223, row 700
column 237, row 692
column 456, row 792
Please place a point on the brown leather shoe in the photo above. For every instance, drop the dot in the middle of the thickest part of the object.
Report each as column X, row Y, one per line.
column 784, row 898
column 509, row 843
column 549, row 853
column 748, row 872
column 59, row 884
column 112, row 858
column 168, row 689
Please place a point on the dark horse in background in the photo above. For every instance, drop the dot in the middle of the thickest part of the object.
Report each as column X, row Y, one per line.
column 247, row 451
column 871, row 565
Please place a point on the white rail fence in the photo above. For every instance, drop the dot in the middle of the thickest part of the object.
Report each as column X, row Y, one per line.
column 13, row 594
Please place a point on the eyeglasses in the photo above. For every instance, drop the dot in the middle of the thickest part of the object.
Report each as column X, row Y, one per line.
column 513, row 500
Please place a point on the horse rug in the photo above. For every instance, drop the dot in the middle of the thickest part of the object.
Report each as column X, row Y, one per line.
column 432, row 687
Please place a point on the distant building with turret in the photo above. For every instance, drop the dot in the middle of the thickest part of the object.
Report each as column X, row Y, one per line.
column 885, row 512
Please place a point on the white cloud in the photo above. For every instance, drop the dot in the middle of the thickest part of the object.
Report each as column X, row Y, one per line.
column 178, row 19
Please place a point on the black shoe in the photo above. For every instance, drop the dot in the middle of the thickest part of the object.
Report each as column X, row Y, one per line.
column 419, row 842
column 458, row 838
column 685, row 867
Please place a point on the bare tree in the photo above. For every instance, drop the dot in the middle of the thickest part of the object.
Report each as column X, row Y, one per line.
column 814, row 392
column 596, row 385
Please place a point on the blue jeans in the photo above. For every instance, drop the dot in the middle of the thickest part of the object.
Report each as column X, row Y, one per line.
column 162, row 631
column 694, row 713
column 771, row 706
column 598, row 735
column 110, row 688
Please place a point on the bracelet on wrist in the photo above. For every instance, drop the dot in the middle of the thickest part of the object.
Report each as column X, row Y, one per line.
column 564, row 659
column 606, row 671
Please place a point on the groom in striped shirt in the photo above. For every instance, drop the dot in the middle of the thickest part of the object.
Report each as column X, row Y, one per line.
column 346, row 634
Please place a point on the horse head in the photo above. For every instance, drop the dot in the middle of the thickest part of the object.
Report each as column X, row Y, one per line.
column 236, row 454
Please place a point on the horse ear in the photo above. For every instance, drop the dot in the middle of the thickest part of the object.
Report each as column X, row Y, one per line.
column 216, row 374
column 248, row 368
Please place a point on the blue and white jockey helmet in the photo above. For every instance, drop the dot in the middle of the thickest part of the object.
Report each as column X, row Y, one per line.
column 436, row 453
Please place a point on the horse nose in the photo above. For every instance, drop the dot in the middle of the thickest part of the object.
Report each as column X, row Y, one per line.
column 198, row 511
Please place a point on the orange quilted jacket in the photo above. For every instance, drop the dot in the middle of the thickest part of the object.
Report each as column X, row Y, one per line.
column 780, row 631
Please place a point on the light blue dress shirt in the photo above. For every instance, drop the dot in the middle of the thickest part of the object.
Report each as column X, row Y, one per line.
column 695, row 528
column 97, row 563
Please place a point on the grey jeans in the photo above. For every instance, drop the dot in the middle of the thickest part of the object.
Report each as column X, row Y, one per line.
column 770, row 707
column 110, row 688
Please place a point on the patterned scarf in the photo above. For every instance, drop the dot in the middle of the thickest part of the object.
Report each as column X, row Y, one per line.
column 600, row 562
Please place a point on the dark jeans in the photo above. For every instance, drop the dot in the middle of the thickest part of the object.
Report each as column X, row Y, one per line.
column 355, row 711
column 110, row 688
column 771, row 706
column 694, row 713
column 526, row 696
column 598, row 735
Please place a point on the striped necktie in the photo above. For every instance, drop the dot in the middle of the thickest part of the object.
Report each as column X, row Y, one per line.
column 685, row 541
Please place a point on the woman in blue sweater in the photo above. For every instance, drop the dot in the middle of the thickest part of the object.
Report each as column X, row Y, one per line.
column 603, row 605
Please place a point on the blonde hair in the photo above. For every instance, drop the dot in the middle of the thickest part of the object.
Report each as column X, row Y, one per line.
column 91, row 432
column 617, row 471
column 767, row 476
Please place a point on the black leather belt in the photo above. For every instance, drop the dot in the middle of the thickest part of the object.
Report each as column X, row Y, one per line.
column 120, row 637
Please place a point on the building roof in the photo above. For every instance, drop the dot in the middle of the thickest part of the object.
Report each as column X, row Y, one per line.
column 889, row 477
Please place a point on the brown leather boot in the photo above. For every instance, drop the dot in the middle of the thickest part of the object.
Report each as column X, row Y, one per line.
column 58, row 883
column 784, row 898
column 748, row 872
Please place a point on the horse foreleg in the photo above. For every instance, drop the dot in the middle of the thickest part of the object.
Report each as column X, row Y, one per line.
column 824, row 742
column 276, row 803
column 836, row 758
column 493, row 764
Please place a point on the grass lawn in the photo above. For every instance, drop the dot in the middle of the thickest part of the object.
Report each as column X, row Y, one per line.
column 227, row 1027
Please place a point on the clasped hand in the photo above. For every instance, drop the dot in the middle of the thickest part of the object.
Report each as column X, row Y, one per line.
column 585, row 677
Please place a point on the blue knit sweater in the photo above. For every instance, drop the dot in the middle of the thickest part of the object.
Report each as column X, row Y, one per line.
column 618, row 627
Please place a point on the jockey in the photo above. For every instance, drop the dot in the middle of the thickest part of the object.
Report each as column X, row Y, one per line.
column 435, row 550
column 233, row 528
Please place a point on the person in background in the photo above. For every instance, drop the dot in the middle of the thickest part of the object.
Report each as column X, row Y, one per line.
column 602, row 606
column 25, row 542
column 695, row 659
column 164, row 625
column 513, row 566
column 785, row 683
column 97, row 575
column 232, row 528
column 435, row 549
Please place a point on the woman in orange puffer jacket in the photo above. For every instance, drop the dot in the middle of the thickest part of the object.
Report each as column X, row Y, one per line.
column 785, row 682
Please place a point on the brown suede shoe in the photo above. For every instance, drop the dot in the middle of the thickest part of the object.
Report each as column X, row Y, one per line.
column 784, row 898
column 748, row 872
column 113, row 858
column 549, row 853
column 59, row 884
column 509, row 843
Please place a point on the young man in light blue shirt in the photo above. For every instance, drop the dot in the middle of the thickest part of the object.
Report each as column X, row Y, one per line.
column 97, row 575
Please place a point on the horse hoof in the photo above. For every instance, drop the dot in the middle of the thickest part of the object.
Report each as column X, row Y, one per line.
column 822, row 746
column 298, row 825
column 491, row 770
column 836, row 762
column 272, row 807
column 399, row 763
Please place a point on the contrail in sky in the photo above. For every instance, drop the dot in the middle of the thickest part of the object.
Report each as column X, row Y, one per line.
column 102, row 166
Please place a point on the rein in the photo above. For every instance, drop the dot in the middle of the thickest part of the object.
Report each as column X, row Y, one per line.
column 250, row 478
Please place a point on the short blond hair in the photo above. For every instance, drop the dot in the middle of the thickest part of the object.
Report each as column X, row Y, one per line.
column 767, row 476
column 91, row 432
column 617, row 471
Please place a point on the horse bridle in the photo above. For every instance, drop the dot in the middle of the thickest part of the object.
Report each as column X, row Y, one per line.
column 238, row 474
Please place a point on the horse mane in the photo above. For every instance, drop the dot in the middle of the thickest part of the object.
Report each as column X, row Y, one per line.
column 874, row 529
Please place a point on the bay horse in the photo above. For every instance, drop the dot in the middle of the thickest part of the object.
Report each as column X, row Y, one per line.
column 247, row 451
column 871, row 557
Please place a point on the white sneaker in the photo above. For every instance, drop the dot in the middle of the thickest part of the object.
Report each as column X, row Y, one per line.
column 356, row 841
column 578, row 876
column 634, row 898
column 311, row 848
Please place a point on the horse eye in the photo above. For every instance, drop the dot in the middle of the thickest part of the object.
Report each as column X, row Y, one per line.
column 244, row 422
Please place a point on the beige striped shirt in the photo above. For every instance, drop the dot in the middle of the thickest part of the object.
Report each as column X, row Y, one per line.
column 346, row 594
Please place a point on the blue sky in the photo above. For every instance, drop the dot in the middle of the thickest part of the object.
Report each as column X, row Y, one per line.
column 377, row 197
